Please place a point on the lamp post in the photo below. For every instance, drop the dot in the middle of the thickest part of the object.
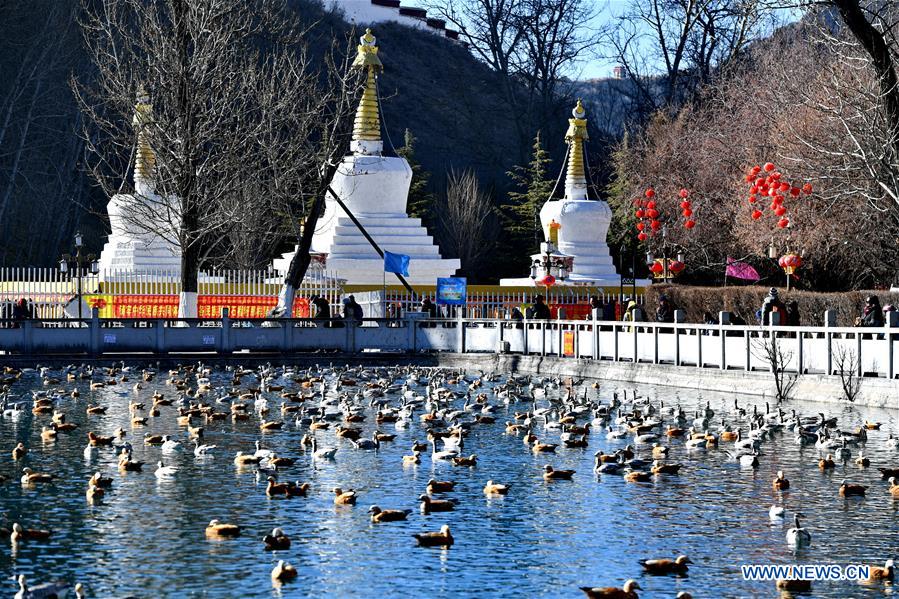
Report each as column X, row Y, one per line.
column 77, row 264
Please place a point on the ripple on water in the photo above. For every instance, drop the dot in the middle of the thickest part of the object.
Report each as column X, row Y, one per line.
column 543, row 539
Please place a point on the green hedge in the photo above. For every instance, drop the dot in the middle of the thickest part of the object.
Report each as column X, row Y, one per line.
column 745, row 300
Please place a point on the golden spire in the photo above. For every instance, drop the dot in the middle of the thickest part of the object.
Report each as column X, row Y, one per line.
column 575, row 179
column 145, row 159
column 367, row 126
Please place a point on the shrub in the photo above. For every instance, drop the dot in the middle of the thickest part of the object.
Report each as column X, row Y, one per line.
column 745, row 300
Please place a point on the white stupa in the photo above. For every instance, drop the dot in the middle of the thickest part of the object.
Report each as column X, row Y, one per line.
column 132, row 247
column 375, row 189
column 575, row 251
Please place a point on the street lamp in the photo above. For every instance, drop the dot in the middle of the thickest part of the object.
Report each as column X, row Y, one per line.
column 79, row 265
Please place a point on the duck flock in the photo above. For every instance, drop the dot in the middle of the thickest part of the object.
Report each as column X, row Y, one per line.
column 323, row 413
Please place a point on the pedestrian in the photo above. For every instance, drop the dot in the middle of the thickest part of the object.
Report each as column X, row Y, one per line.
column 20, row 311
column 608, row 311
column 351, row 310
column 596, row 307
column 428, row 307
column 665, row 311
column 709, row 318
column 322, row 309
column 771, row 304
column 516, row 315
column 634, row 312
column 872, row 314
column 793, row 318
column 540, row 309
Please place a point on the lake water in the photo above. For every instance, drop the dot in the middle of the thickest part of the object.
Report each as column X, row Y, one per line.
column 544, row 539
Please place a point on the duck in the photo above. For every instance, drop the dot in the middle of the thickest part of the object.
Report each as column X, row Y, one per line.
column 827, row 463
column 202, row 450
column 660, row 468
column 780, row 483
column 379, row 515
column 283, row 572
column 851, row 490
column 19, row 451
column 98, row 480
column 46, row 590
column 97, row 440
column 429, row 505
column 666, row 566
column 415, row 458
column 342, row 497
column 471, row 460
column 242, row 459
column 30, row 477
column 660, row 451
column 126, row 464
column 276, row 541
column 492, row 488
column 278, row 462
column 696, row 443
column 164, row 472
column 876, row 573
column 19, row 534
column 551, row 474
column 216, row 529
column 625, row 592
column 862, row 460
column 798, row 536
column 373, row 444
column 287, row 489
column 443, row 538
column 776, row 512
column 169, row 445
column 322, row 453
column 894, row 488
column 151, row 439
column 440, row 486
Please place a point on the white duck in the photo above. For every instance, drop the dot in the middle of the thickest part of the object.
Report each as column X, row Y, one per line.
column 322, row 453
column 204, row 450
column 169, row 445
column 164, row 472
column 91, row 452
column 776, row 513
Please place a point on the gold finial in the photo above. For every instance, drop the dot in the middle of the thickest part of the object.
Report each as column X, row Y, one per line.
column 575, row 178
column 367, row 126
column 145, row 158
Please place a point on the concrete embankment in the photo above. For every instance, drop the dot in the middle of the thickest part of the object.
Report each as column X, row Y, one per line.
column 874, row 392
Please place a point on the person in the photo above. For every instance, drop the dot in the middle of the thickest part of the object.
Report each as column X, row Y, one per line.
column 633, row 313
column 771, row 304
column 872, row 315
column 793, row 318
column 516, row 315
column 665, row 311
column 352, row 310
column 596, row 307
column 608, row 311
column 21, row 310
column 428, row 307
column 709, row 318
column 540, row 309
column 322, row 308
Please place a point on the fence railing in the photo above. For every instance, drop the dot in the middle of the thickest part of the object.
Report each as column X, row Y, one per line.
column 801, row 350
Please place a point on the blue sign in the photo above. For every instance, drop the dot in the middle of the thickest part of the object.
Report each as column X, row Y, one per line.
column 452, row 291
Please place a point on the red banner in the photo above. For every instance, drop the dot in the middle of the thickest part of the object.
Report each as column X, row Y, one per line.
column 208, row 306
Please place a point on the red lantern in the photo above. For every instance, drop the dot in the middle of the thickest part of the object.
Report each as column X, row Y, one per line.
column 687, row 212
column 685, row 204
column 794, row 191
column 676, row 267
column 769, row 167
column 807, row 188
column 756, row 214
column 754, row 189
column 650, row 192
column 639, row 213
column 784, row 186
column 641, row 237
column 683, row 193
column 641, row 226
column 654, row 225
column 753, row 199
column 790, row 262
column 650, row 204
column 780, row 211
column 652, row 213
column 782, row 223
column 548, row 281
column 690, row 224
column 657, row 267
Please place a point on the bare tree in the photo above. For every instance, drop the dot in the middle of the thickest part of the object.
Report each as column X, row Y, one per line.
column 467, row 221
column 768, row 347
column 847, row 366
column 233, row 119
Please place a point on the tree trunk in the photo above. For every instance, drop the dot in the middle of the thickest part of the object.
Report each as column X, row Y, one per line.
column 299, row 264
